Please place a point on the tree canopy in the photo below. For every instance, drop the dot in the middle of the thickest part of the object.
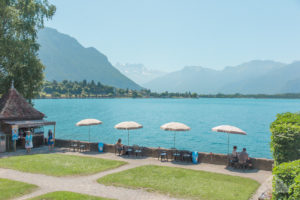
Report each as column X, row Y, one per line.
column 285, row 138
column 19, row 23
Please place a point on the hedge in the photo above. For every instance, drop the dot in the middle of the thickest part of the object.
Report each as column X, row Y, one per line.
column 286, row 181
column 285, row 139
column 295, row 189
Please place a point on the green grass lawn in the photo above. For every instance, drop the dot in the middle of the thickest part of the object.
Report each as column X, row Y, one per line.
column 58, row 164
column 184, row 183
column 11, row 189
column 61, row 195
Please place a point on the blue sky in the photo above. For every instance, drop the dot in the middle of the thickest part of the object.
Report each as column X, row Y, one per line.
column 171, row 34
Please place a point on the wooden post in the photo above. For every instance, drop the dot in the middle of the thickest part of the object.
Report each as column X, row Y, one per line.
column 54, row 135
column 15, row 145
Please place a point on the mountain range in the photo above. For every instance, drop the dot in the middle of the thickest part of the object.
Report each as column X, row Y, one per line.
column 66, row 59
column 254, row 77
column 138, row 72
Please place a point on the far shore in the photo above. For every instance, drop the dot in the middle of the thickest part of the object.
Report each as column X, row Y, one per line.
column 296, row 96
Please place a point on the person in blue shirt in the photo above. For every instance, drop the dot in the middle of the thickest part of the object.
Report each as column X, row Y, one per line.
column 50, row 140
column 28, row 141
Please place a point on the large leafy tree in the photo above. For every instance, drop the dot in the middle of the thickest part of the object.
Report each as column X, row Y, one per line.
column 19, row 23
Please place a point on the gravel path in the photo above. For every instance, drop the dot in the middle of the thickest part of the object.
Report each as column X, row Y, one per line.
column 88, row 184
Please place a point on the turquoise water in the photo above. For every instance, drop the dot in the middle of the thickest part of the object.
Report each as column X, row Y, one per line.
column 252, row 115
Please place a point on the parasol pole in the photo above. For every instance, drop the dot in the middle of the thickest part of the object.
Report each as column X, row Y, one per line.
column 228, row 144
column 128, row 136
column 174, row 138
column 89, row 133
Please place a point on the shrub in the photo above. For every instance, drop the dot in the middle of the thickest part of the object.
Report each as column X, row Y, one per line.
column 286, row 181
column 295, row 189
column 285, row 139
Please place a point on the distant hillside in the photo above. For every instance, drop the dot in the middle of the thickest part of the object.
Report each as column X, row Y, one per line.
column 138, row 72
column 255, row 77
column 66, row 59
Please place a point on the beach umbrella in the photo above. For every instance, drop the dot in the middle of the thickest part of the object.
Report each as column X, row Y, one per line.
column 128, row 125
column 229, row 130
column 89, row 123
column 175, row 126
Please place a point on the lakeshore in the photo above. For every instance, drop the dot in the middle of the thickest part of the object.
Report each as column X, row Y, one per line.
column 219, row 96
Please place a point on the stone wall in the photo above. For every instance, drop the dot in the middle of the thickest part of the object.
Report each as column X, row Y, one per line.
column 212, row 158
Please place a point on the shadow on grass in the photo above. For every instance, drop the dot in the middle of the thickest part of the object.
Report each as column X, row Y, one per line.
column 37, row 150
column 246, row 171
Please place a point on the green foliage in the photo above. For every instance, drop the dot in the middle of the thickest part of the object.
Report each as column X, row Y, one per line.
column 295, row 188
column 62, row 195
column 184, row 183
column 91, row 89
column 285, row 139
column 59, row 165
column 286, row 181
column 79, row 89
column 10, row 189
column 19, row 22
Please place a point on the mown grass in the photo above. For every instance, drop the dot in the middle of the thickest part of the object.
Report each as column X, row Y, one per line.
column 11, row 189
column 62, row 195
column 184, row 183
column 58, row 164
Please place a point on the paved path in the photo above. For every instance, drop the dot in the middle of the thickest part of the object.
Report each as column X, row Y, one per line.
column 88, row 184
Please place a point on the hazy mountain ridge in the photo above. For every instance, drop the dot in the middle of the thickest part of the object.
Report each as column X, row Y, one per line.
column 66, row 59
column 138, row 72
column 254, row 77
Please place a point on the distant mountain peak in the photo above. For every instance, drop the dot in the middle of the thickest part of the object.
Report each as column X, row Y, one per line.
column 253, row 77
column 66, row 59
column 195, row 68
column 138, row 72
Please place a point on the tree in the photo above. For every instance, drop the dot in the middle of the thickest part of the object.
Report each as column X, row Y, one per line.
column 285, row 138
column 19, row 23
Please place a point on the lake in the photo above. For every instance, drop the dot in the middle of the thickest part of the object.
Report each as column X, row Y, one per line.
column 252, row 115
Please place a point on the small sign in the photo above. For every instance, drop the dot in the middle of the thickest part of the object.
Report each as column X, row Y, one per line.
column 15, row 132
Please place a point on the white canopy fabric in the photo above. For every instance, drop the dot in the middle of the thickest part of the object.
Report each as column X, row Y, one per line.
column 88, row 122
column 229, row 129
column 128, row 125
column 175, row 126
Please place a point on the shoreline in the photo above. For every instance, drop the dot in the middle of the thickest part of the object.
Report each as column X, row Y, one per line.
column 212, row 97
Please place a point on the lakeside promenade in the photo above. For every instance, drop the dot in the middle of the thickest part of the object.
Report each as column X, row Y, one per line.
column 88, row 184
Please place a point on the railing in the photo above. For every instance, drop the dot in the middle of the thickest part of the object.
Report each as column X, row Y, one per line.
column 211, row 158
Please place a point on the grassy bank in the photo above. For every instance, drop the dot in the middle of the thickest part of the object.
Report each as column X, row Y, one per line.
column 58, row 164
column 62, row 195
column 10, row 189
column 184, row 183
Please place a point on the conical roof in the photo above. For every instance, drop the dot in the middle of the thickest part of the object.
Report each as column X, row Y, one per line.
column 13, row 106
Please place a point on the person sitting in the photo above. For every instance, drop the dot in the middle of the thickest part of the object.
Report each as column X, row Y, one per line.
column 234, row 153
column 234, row 157
column 244, row 158
column 120, row 147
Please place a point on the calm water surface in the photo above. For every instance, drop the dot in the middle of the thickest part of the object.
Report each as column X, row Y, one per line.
column 252, row 115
